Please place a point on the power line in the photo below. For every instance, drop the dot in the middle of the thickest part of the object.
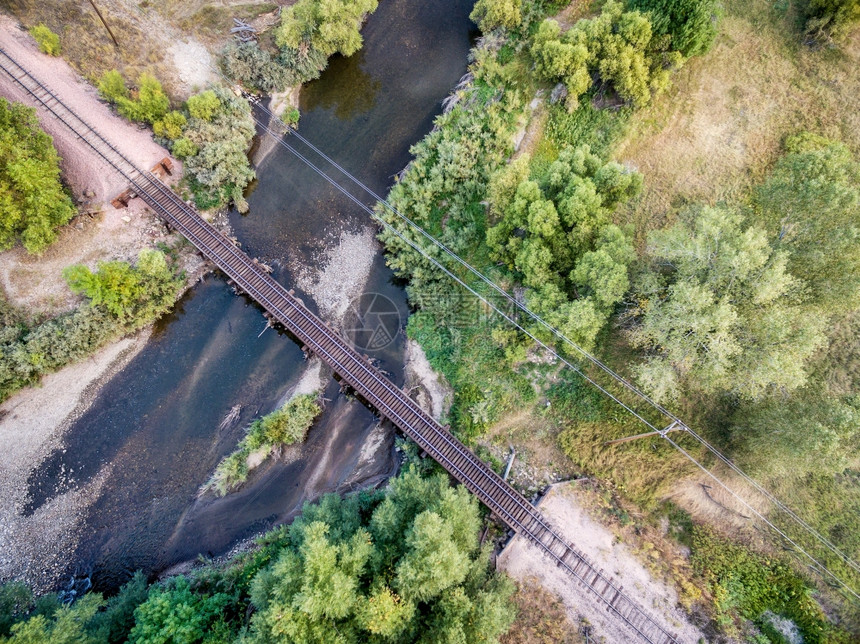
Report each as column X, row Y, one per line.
column 521, row 306
column 591, row 358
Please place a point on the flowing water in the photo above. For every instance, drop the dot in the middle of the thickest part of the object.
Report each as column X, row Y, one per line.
column 155, row 431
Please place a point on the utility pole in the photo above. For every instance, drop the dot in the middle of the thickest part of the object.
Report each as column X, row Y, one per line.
column 104, row 22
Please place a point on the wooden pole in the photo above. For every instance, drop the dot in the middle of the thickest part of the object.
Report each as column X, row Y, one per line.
column 104, row 22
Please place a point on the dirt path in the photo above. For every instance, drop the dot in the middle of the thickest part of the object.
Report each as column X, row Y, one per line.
column 522, row 560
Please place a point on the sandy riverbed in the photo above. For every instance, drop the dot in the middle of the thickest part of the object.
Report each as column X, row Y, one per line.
column 33, row 421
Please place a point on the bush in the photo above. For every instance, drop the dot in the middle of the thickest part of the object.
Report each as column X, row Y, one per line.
column 490, row 14
column 284, row 426
column 692, row 24
column 148, row 103
column 291, row 117
column 112, row 86
column 133, row 295
column 170, row 127
column 49, row 42
column 204, row 105
column 33, row 203
column 831, row 19
column 254, row 68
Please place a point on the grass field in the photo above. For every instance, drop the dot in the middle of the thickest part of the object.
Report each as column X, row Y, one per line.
column 721, row 125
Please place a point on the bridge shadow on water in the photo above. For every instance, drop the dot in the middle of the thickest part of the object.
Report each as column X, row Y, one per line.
column 151, row 438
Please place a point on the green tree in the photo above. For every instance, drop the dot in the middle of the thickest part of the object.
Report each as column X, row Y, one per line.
column 254, row 67
column 490, row 14
column 811, row 205
column 215, row 149
column 204, row 105
column 148, row 103
column 171, row 126
column 49, row 42
column 558, row 240
column 66, row 625
column 831, row 19
column 692, row 24
column 33, row 203
column 133, row 295
column 112, row 86
column 620, row 47
column 402, row 568
column 174, row 614
column 327, row 26
column 721, row 312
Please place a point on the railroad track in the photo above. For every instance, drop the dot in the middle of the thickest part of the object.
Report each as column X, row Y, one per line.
column 354, row 369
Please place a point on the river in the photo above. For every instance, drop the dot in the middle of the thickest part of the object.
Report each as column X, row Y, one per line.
column 155, row 430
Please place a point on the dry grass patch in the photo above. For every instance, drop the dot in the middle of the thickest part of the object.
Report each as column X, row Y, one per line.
column 720, row 127
column 541, row 618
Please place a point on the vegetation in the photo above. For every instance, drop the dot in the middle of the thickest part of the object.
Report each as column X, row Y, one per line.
column 691, row 24
column 48, row 41
column 33, row 203
column 620, row 47
column 122, row 298
column 284, row 426
column 310, row 31
column 146, row 103
column 831, row 19
column 567, row 251
column 491, row 14
column 721, row 312
column 396, row 566
column 134, row 295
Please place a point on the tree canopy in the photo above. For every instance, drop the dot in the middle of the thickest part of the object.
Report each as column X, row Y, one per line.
column 146, row 103
column 559, row 240
column 692, row 24
column 33, row 203
column 721, row 312
column 326, row 26
column 620, row 47
column 491, row 14
column 405, row 569
column 134, row 295
column 810, row 204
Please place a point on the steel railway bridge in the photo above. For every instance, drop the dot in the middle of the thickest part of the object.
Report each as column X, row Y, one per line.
column 354, row 369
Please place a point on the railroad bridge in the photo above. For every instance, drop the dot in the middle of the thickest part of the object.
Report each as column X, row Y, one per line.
column 353, row 368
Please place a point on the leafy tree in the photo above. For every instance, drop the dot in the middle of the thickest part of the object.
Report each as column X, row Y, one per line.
column 558, row 240
column 49, row 42
column 721, row 312
column 692, row 24
column 327, row 26
column 490, row 14
column 66, row 625
column 618, row 46
column 215, row 148
column 831, row 19
column 147, row 103
column 174, row 614
column 171, row 126
column 811, row 205
column 405, row 568
column 33, row 203
column 255, row 68
column 16, row 599
column 133, row 295
column 115, row 622
column 204, row 105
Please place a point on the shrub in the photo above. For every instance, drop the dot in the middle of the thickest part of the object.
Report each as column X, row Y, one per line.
column 490, row 14
column 291, row 117
column 255, row 68
column 204, row 105
column 33, row 203
column 49, row 42
column 112, row 86
column 692, row 24
column 831, row 19
column 148, row 104
column 133, row 295
column 170, row 127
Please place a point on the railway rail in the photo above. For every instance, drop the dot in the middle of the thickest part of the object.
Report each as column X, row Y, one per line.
column 353, row 368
